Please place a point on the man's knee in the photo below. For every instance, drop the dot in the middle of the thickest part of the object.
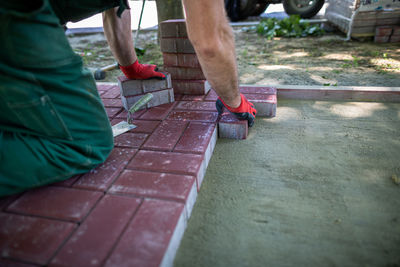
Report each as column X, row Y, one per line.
column 104, row 145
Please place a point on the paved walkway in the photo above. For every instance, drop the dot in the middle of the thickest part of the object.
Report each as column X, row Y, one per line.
column 130, row 211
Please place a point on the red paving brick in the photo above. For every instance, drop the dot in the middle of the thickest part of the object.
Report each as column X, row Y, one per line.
column 130, row 139
column 170, row 59
column 111, row 112
column 147, row 237
column 166, row 136
column 173, row 28
column 158, row 113
column 138, row 87
column 383, row 31
column 105, row 86
column 182, row 73
column 112, row 103
column 31, row 239
column 167, row 162
column 193, row 97
column 154, row 185
column 143, row 126
column 94, row 239
column 257, row 90
column 260, row 97
column 193, row 116
column 231, row 128
column 111, row 92
column 188, row 60
column 69, row 182
column 196, row 138
column 124, row 114
column 101, row 177
column 195, row 105
column 178, row 97
column 211, row 96
column 265, row 104
column 12, row 263
column 56, row 202
column 191, row 87
column 182, row 60
column 175, row 45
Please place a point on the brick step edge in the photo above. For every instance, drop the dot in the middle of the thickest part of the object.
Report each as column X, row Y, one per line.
column 181, row 225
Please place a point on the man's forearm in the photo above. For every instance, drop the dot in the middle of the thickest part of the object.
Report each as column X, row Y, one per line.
column 119, row 36
column 212, row 38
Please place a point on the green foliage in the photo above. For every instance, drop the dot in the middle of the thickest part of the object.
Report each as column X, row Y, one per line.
column 292, row 26
column 140, row 51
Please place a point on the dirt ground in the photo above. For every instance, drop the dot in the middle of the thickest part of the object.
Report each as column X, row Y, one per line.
column 326, row 60
column 311, row 187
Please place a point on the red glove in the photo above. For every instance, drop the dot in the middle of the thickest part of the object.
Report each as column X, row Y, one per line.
column 245, row 111
column 139, row 71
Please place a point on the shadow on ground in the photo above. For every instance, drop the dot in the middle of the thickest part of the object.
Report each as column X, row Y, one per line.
column 311, row 187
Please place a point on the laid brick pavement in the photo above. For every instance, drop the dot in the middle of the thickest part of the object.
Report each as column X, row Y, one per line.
column 132, row 210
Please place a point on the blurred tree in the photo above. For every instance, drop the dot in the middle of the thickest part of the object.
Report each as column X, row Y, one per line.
column 168, row 9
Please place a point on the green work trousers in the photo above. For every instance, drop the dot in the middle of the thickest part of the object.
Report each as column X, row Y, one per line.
column 52, row 122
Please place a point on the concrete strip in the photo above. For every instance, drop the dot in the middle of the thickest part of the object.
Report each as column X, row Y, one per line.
column 175, row 241
column 349, row 93
column 191, row 200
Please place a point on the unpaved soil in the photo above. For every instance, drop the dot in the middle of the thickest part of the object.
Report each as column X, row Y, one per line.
column 326, row 60
column 311, row 187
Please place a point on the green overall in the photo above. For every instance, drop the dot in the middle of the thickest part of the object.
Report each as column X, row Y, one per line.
column 52, row 122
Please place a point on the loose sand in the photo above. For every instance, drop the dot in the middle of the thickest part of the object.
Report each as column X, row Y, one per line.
column 311, row 187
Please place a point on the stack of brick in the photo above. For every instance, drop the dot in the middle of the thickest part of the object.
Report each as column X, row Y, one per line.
column 264, row 100
column 180, row 59
column 385, row 34
column 132, row 90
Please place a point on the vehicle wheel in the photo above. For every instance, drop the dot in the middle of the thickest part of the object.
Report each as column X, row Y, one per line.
column 260, row 8
column 304, row 8
column 247, row 7
column 239, row 9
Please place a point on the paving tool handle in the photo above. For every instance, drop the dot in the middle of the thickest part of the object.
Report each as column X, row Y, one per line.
column 100, row 73
column 140, row 103
column 110, row 67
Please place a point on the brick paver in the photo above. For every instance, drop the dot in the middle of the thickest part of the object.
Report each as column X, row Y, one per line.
column 56, row 202
column 31, row 239
column 91, row 243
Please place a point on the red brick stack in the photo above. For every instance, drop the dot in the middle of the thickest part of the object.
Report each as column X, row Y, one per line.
column 395, row 37
column 385, row 34
column 180, row 59
column 264, row 100
column 132, row 90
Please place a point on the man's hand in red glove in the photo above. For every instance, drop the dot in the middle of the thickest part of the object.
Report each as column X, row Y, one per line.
column 139, row 71
column 245, row 111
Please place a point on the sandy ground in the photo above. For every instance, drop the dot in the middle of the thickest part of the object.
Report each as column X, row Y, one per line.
column 311, row 187
column 326, row 60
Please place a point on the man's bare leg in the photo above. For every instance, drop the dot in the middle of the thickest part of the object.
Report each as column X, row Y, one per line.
column 212, row 38
column 119, row 35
